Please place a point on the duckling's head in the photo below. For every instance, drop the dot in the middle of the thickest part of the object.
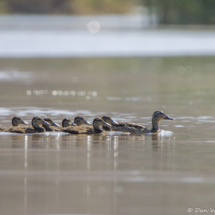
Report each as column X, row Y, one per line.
column 160, row 115
column 50, row 121
column 109, row 120
column 67, row 122
column 38, row 121
column 97, row 123
column 79, row 120
column 18, row 120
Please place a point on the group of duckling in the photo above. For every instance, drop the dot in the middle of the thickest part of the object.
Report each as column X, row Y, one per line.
column 82, row 126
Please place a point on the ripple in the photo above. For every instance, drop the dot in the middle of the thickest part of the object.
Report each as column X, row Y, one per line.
column 32, row 111
column 14, row 75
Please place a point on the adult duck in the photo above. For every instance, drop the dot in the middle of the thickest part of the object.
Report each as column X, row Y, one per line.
column 96, row 128
column 135, row 128
column 16, row 121
column 51, row 124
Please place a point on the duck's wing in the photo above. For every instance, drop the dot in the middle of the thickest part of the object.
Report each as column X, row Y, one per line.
column 106, row 128
column 133, row 128
column 30, row 130
column 51, row 128
column 3, row 129
column 16, row 129
column 131, row 124
column 70, row 129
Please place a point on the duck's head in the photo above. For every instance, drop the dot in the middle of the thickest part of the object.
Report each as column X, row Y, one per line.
column 38, row 122
column 67, row 122
column 109, row 120
column 79, row 120
column 97, row 123
column 17, row 121
column 50, row 121
column 160, row 115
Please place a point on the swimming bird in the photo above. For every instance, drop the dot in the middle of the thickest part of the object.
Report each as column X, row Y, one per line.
column 16, row 121
column 135, row 128
column 79, row 120
column 51, row 126
column 110, row 121
column 36, row 122
column 67, row 122
column 96, row 128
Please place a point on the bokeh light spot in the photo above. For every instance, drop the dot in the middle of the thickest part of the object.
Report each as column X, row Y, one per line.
column 93, row 27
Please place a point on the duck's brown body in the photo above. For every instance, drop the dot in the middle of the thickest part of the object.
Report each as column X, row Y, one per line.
column 3, row 129
column 80, row 130
column 130, row 127
column 127, row 127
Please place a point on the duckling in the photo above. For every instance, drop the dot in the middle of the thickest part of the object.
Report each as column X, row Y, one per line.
column 110, row 121
column 96, row 128
column 52, row 123
column 67, row 122
column 16, row 121
column 138, row 128
column 37, row 123
column 79, row 120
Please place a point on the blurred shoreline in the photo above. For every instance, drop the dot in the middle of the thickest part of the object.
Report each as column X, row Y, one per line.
column 33, row 36
column 71, row 22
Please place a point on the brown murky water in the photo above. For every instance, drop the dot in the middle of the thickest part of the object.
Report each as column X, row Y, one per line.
column 109, row 173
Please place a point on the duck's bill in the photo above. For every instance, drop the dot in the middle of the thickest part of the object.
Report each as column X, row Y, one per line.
column 24, row 122
column 104, row 123
column 86, row 122
column 45, row 123
column 73, row 124
column 55, row 124
column 168, row 118
column 114, row 122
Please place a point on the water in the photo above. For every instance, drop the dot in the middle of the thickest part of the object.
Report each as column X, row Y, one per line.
column 111, row 173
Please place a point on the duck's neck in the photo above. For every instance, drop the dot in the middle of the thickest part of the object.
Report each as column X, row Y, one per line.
column 97, row 129
column 106, row 128
column 14, row 123
column 39, row 128
column 66, row 124
column 47, row 128
column 155, row 126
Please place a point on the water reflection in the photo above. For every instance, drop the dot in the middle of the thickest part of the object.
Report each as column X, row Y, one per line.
column 89, row 170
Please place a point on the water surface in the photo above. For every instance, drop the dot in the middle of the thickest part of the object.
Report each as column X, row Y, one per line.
column 108, row 173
